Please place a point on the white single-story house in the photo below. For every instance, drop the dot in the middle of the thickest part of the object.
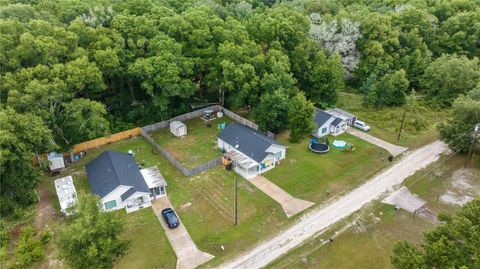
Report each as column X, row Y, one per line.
column 327, row 123
column 178, row 128
column 55, row 161
column 118, row 180
column 67, row 195
column 251, row 152
column 348, row 117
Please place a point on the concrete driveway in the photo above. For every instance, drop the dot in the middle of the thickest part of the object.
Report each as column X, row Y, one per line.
column 290, row 204
column 188, row 255
column 393, row 149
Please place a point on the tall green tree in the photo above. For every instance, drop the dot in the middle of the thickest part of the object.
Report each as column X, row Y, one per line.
column 388, row 90
column 449, row 76
column 272, row 112
column 91, row 238
column 300, row 117
column 452, row 244
column 21, row 135
column 465, row 114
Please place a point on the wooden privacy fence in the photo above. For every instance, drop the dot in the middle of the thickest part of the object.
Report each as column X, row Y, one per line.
column 95, row 143
column 185, row 171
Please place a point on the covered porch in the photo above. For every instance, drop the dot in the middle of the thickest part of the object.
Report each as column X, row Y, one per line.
column 137, row 201
column 155, row 182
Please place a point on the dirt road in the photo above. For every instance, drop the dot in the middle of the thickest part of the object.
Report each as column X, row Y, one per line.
column 393, row 149
column 319, row 219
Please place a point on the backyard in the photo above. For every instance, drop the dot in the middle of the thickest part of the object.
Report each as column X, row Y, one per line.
column 370, row 241
column 197, row 147
column 419, row 127
column 307, row 175
column 204, row 203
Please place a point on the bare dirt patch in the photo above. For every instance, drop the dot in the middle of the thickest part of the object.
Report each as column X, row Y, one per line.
column 464, row 186
column 45, row 211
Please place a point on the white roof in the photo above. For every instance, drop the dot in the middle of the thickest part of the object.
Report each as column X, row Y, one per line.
column 240, row 159
column 340, row 112
column 67, row 195
column 176, row 124
column 153, row 177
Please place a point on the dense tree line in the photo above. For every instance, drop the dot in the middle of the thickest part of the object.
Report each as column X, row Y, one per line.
column 74, row 70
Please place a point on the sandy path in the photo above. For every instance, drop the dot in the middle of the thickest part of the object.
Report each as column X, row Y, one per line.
column 393, row 149
column 319, row 219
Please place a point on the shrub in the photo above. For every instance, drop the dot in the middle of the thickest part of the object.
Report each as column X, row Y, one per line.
column 29, row 249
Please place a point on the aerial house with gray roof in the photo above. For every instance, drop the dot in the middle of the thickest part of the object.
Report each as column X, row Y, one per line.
column 250, row 151
column 327, row 123
column 120, row 183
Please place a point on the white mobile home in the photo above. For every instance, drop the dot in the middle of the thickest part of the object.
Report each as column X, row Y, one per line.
column 67, row 195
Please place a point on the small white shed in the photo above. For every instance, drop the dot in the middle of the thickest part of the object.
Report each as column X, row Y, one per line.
column 67, row 195
column 55, row 161
column 178, row 128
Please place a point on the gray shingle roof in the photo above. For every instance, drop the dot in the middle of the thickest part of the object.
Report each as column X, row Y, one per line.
column 336, row 121
column 250, row 142
column 127, row 194
column 112, row 169
column 321, row 117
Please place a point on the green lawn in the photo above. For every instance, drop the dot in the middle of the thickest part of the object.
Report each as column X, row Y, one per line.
column 419, row 128
column 197, row 147
column 308, row 175
column 205, row 206
column 149, row 245
column 370, row 244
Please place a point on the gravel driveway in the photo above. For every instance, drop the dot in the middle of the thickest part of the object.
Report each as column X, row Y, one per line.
column 393, row 149
column 316, row 221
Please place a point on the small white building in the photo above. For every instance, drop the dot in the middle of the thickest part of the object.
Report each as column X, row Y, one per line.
column 250, row 152
column 328, row 124
column 55, row 161
column 178, row 128
column 67, row 195
column 118, row 180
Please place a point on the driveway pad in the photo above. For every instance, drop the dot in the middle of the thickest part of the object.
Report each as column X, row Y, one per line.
column 290, row 204
column 393, row 149
column 188, row 255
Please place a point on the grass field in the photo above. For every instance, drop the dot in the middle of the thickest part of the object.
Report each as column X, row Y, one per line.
column 197, row 147
column 308, row 175
column 370, row 244
column 419, row 127
column 149, row 245
column 204, row 203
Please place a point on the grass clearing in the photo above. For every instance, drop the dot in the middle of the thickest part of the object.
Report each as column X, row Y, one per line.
column 370, row 244
column 197, row 147
column 204, row 203
column 307, row 175
column 419, row 128
column 149, row 245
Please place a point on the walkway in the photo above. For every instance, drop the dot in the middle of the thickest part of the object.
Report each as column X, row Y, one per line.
column 393, row 149
column 319, row 219
column 188, row 255
column 290, row 204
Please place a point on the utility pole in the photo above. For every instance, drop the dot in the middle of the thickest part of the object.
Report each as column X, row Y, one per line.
column 475, row 136
column 235, row 221
column 403, row 120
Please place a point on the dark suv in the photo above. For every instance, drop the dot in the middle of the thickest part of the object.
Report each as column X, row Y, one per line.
column 170, row 218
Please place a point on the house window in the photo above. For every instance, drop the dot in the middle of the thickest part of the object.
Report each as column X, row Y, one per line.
column 324, row 130
column 110, row 204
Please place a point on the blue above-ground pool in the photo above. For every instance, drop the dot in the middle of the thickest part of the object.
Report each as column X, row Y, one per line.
column 319, row 147
column 339, row 144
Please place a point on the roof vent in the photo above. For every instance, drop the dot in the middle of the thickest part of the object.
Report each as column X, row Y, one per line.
column 236, row 146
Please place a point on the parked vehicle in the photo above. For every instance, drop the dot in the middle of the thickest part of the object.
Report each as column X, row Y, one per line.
column 361, row 125
column 170, row 218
